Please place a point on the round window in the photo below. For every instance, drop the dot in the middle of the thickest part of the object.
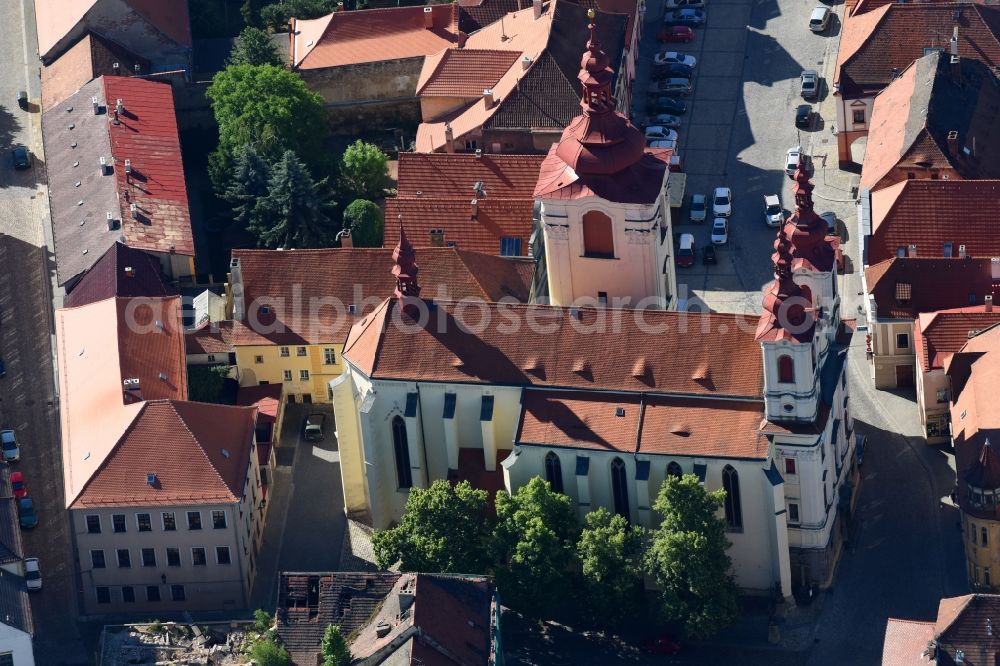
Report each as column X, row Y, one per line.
column 788, row 408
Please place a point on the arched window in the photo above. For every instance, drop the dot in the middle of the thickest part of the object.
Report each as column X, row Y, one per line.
column 619, row 489
column 401, row 449
column 673, row 469
column 553, row 471
column 598, row 235
column 734, row 511
column 807, row 294
column 786, row 370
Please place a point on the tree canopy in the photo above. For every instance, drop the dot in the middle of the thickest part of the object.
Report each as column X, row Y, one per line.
column 335, row 649
column 293, row 213
column 277, row 15
column 444, row 530
column 364, row 219
column 253, row 46
column 610, row 552
column 248, row 184
column 363, row 170
column 687, row 557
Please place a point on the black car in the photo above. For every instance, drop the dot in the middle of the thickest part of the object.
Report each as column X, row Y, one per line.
column 21, row 157
column 672, row 70
column 666, row 105
column 803, row 116
column 708, row 254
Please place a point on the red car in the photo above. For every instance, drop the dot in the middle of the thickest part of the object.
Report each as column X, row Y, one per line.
column 675, row 33
column 18, row 486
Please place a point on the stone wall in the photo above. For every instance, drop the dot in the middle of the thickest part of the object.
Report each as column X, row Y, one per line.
column 365, row 82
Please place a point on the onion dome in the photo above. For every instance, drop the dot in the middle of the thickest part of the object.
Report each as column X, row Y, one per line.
column 405, row 267
column 787, row 310
column 805, row 229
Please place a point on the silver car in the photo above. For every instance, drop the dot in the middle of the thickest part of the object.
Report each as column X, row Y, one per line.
column 699, row 208
column 809, row 84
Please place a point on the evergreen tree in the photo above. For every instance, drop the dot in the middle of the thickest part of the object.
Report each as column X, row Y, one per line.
column 253, row 46
column 292, row 214
column 335, row 649
column 248, row 185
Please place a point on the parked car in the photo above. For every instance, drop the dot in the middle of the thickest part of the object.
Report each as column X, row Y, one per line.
column 18, row 485
column 722, row 202
column 8, row 442
column 809, row 84
column 665, row 120
column 720, row 231
column 674, row 57
column 672, row 87
column 819, row 19
column 670, row 144
column 680, row 4
column 699, row 204
column 803, row 116
column 831, row 222
column 312, row 431
column 32, row 574
column 658, row 132
column 689, row 16
column 20, row 156
column 685, row 251
column 708, row 255
column 666, row 105
column 26, row 513
column 675, row 70
column 675, row 33
column 792, row 157
column 773, row 215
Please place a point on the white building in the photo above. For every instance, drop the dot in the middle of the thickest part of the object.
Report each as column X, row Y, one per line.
column 15, row 646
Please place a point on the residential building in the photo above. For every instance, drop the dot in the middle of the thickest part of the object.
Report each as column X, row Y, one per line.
column 483, row 203
column 882, row 39
column 962, row 633
column 524, row 108
column 366, row 63
column 121, row 271
column 899, row 289
column 292, row 309
column 157, row 30
column 90, row 57
column 405, row 618
column 15, row 641
column 164, row 495
column 938, row 335
column 210, row 344
column 115, row 174
column 934, row 218
column 270, row 406
column 935, row 121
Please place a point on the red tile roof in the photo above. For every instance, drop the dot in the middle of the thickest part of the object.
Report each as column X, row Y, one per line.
column 906, row 643
column 495, row 219
column 464, row 72
column 452, row 175
column 937, row 335
column 121, row 271
column 964, row 624
column 288, row 280
column 372, row 35
column 646, row 424
column 90, row 57
column 210, row 338
column 641, row 182
column 650, row 351
column 170, row 18
column 198, row 452
column 930, row 213
column 903, row 287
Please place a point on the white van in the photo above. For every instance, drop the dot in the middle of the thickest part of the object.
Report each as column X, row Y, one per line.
column 819, row 19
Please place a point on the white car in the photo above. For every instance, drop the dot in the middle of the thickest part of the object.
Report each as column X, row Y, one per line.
column 699, row 204
column 722, row 202
column 720, row 231
column 32, row 576
column 773, row 215
column 792, row 157
column 675, row 58
column 660, row 133
column 665, row 120
column 664, row 143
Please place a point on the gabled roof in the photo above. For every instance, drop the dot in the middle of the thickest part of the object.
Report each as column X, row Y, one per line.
column 463, row 72
column 930, row 213
column 494, row 219
column 452, row 175
column 534, row 345
column 891, row 37
column 121, row 271
column 15, row 607
column 210, row 338
column 939, row 334
column 372, row 35
column 288, row 280
column 542, row 99
column 90, row 57
column 906, row 643
column 904, row 287
column 82, row 196
column 914, row 118
column 197, row 452
column 967, row 624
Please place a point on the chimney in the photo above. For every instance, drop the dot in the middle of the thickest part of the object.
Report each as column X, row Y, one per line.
column 437, row 237
column 953, row 143
column 115, row 66
column 475, row 208
column 129, row 272
column 988, row 303
column 525, row 63
column 428, row 17
column 97, row 107
column 956, row 68
column 995, row 268
column 128, row 166
column 449, row 138
column 132, row 390
column 911, row 251
column 112, row 222
column 138, row 70
column 345, row 238
column 488, row 97
column 536, row 6
column 134, row 210
column 479, row 153
column 462, row 36
column 406, row 594
column 119, row 106
column 962, row 252
column 954, row 41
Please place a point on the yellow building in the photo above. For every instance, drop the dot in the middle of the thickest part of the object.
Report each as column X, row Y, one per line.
column 292, row 309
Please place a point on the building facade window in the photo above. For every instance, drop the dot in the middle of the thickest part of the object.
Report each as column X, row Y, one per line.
column 510, row 246
column 219, row 520
column 169, row 522
column 198, row 557
column 858, row 116
column 401, row 450
column 619, row 489
column 902, row 341
column 124, row 558
column 148, row 557
column 734, row 509
column 674, row 469
column 984, row 537
column 177, row 592
column 173, row 557
column 300, row 351
column 793, row 513
column 103, row 594
column 786, row 369
column 598, row 235
column 211, row 358
column 97, row 559
column 93, row 524
column 286, row 375
column 222, row 555
column 258, row 359
column 128, row 594
column 143, row 522
column 304, row 375
column 789, row 465
column 283, row 352
column 152, row 593
column 194, row 520
column 118, row 523
column 329, row 356
column 553, row 471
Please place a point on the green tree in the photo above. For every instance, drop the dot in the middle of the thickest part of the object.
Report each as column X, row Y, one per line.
column 205, row 382
column 268, row 108
column 248, row 184
column 276, row 16
column 534, row 546
column 335, row 649
column 293, row 213
column 363, row 170
column 610, row 552
column 364, row 219
column 687, row 557
column 253, row 46
column 268, row 653
column 444, row 530
column 250, row 11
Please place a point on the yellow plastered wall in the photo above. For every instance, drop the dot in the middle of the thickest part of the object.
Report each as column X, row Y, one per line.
column 266, row 363
column 982, row 561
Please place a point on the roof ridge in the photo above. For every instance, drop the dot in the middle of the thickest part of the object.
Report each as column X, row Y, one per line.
column 197, row 441
column 873, row 14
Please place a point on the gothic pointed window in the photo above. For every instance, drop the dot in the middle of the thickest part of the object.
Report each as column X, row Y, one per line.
column 553, row 471
column 786, row 370
column 734, row 510
column 619, row 489
column 598, row 235
column 673, row 469
column 401, row 449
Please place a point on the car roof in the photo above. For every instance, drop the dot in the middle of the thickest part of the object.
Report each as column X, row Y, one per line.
column 771, row 199
column 7, row 435
column 721, row 190
column 687, row 238
column 697, row 197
